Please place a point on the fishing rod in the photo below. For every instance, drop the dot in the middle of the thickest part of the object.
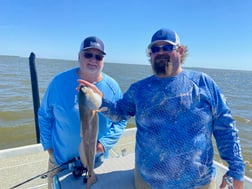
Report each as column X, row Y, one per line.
column 44, row 175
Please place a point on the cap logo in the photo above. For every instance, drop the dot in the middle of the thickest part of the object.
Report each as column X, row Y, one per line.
column 94, row 44
column 160, row 34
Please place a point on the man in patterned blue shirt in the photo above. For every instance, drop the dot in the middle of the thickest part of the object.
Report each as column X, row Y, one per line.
column 177, row 112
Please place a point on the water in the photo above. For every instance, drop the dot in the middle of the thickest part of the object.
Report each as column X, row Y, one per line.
column 16, row 109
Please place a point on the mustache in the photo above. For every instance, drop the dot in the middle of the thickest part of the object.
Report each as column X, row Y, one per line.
column 163, row 57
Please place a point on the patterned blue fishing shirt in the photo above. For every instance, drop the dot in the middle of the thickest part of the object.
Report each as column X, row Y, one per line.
column 176, row 118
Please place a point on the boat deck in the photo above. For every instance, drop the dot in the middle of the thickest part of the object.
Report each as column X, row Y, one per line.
column 113, row 173
column 19, row 168
column 29, row 162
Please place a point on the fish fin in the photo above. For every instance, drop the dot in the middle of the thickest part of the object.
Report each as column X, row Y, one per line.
column 103, row 109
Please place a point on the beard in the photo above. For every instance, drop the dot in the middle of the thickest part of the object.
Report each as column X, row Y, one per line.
column 160, row 64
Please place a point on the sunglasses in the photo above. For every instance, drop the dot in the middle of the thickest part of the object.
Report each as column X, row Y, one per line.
column 89, row 55
column 168, row 48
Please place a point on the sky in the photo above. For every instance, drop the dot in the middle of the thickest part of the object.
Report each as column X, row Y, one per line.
column 218, row 33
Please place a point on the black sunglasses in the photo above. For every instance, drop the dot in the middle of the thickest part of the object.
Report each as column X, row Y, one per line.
column 89, row 55
column 167, row 48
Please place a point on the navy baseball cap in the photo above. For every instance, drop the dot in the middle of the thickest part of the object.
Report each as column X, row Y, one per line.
column 92, row 43
column 165, row 35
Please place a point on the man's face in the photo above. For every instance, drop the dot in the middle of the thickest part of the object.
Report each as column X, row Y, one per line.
column 91, row 60
column 164, row 59
column 160, row 63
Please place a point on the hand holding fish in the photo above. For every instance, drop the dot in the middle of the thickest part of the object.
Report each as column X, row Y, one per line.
column 90, row 85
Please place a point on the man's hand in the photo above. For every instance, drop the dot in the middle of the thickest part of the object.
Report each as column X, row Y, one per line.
column 90, row 85
column 99, row 148
column 50, row 151
column 236, row 183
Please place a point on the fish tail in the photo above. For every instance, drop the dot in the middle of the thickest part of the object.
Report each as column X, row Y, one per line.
column 91, row 180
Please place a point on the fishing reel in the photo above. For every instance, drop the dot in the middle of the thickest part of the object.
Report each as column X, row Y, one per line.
column 79, row 171
column 77, row 168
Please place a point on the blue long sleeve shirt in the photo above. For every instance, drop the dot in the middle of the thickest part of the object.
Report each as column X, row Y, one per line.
column 59, row 120
column 176, row 118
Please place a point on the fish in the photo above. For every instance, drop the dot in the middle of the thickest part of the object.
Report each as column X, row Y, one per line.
column 89, row 103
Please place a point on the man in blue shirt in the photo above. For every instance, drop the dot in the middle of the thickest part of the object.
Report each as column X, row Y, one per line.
column 177, row 112
column 59, row 120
